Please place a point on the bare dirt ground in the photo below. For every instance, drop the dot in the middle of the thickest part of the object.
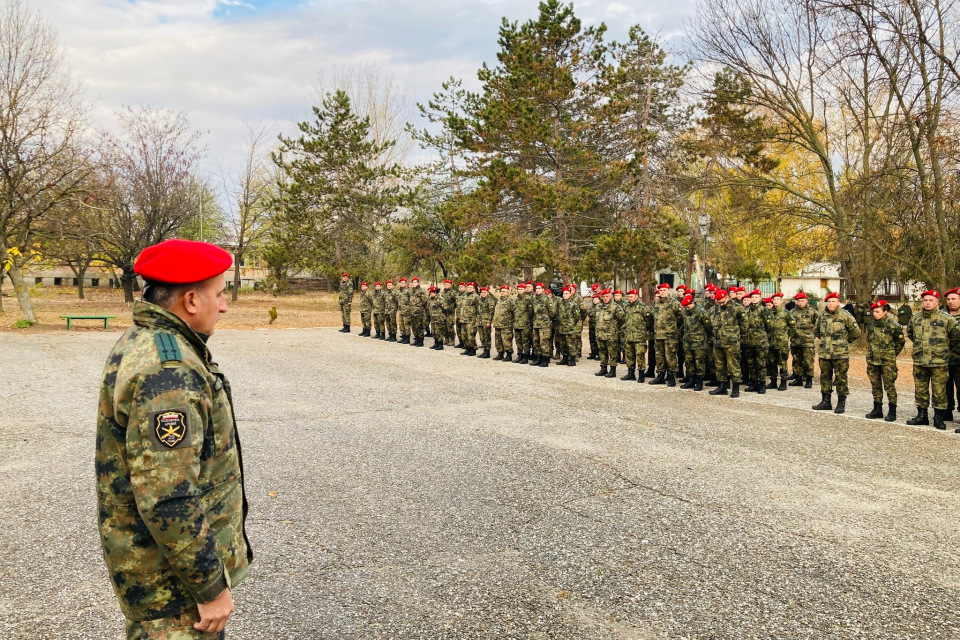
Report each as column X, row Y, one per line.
column 401, row 493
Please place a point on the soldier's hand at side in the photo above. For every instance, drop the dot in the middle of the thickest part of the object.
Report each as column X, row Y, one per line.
column 214, row 614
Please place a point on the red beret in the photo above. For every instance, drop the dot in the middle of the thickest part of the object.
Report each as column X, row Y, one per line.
column 472, row 284
column 687, row 299
column 415, row 279
column 878, row 304
column 935, row 294
column 663, row 286
column 462, row 284
column 691, row 291
column 448, row 282
column 768, row 300
column 710, row 287
column 181, row 262
column 776, row 295
column 596, row 295
column 344, row 275
column 530, row 282
column 756, row 292
column 403, row 279
column 955, row 291
column 830, row 296
column 520, row 285
column 633, row 292
column 539, row 284
column 377, row 283
column 364, row 284
column 721, row 294
column 485, row 289
column 504, row 286
column 800, row 296
column 596, row 285
column 389, row 281
column 605, row 292
column 618, row 291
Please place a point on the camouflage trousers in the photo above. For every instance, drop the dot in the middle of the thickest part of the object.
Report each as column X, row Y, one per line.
column 365, row 318
column 756, row 361
column 415, row 326
column 523, row 339
column 883, row 377
column 504, row 339
column 727, row 362
column 569, row 345
column 651, row 354
column 777, row 362
column 953, row 387
column 378, row 322
column 592, row 336
column 696, row 359
column 834, row 370
column 178, row 628
column 609, row 351
column 929, row 381
column 666, row 350
column 404, row 323
column 543, row 341
column 468, row 335
column 803, row 361
column 485, row 335
column 345, row 313
column 450, row 332
column 635, row 353
column 439, row 329
column 390, row 320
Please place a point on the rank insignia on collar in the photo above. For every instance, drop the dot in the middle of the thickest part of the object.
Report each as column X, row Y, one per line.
column 170, row 427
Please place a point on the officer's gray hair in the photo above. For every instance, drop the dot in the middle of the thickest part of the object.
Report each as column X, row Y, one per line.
column 163, row 294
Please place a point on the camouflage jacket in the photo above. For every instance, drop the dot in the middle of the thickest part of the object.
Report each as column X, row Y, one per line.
column 418, row 300
column 435, row 308
column 523, row 311
column 696, row 327
column 379, row 301
column 346, row 292
column 366, row 301
column 836, row 331
column 804, row 323
column 469, row 310
column 448, row 301
column 391, row 303
column 403, row 300
column 636, row 315
column 884, row 340
column 592, row 315
column 935, row 336
column 485, row 309
column 503, row 314
column 170, row 493
column 667, row 319
column 729, row 322
column 568, row 316
column 544, row 311
column 610, row 317
column 954, row 355
column 781, row 324
column 755, row 327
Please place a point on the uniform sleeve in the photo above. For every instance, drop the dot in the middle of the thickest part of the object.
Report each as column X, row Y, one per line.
column 899, row 342
column 954, row 338
column 853, row 330
column 165, row 438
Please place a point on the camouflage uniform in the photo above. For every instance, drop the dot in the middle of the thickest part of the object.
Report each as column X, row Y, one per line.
column 503, row 324
column 836, row 331
column 449, row 303
column 485, row 309
column 936, row 337
column 728, row 326
column 544, row 311
column 803, row 342
column 379, row 311
column 458, row 323
column 696, row 339
column 403, row 305
column 668, row 317
column 610, row 318
column 523, row 325
column 170, row 494
column 438, row 318
column 345, row 298
column 366, row 309
column 468, row 315
column 884, row 343
column 582, row 305
column 391, row 305
column 592, row 329
column 417, row 299
column 635, row 335
column 755, row 344
column 780, row 324
column 569, row 327
column 953, row 382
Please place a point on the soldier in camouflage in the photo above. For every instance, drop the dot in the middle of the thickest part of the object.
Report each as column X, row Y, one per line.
column 884, row 343
column 780, row 324
column 438, row 317
column 728, row 325
column 696, row 338
column 619, row 299
column 403, row 311
column 935, row 336
column 668, row 317
column 469, row 317
column 802, row 341
column 592, row 326
column 449, row 302
column 366, row 308
column 458, row 328
column 169, row 473
column 345, row 298
column 503, row 324
column 523, row 322
column 836, row 330
column 710, row 377
column 635, row 317
column 569, row 326
column 755, row 342
column 952, row 308
column 610, row 318
column 485, row 309
column 417, row 302
column 391, row 305
column 379, row 310
column 544, row 311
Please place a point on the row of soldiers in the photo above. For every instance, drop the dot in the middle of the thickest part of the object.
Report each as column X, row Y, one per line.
column 725, row 339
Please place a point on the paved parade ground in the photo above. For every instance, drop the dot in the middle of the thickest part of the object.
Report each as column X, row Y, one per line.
column 402, row 493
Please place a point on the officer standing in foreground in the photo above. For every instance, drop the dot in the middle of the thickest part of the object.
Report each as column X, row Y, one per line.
column 837, row 330
column 668, row 317
column 544, row 310
column 728, row 326
column 417, row 304
column 884, row 343
column 503, row 324
column 438, row 317
column 379, row 302
column 569, row 327
column 635, row 334
column 610, row 317
column 935, row 336
column 346, row 301
column 170, row 492
column 781, row 326
column 485, row 308
column 696, row 337
column 523, row 322
column 366, row 308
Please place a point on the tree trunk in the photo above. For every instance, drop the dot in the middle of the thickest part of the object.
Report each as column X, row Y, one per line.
column 81, row 273
column 127, row 278
column 236, row 276
column 23, row 293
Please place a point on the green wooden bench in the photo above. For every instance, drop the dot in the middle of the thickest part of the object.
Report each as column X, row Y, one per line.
column 106, row 320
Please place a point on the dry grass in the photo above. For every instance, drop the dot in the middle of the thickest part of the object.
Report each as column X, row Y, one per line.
column 251, row 311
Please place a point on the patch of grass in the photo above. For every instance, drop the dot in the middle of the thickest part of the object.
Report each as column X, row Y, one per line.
column 22, row 323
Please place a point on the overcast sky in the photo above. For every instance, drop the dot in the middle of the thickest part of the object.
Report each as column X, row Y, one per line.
column 226, row 61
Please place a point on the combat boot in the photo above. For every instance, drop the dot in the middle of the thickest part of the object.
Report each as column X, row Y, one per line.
column 563, row 360
column 877, row 411
column 508, row 357
column 773, row 383
column 921, row 418
column 671, row 379
column 630, row 375
column 640, row 376
column 689, row 383
column 534, row 359
column 892, row 413
column 794, row 377
column 797, row 381
column 612, row 373
column 346, row 329
column 826, row 404
column 938, row 421
column 783, row 384
column 698, row 383
column 393, row 337
column 720, row 391
column 572, row 362
column 521, row 357
column 734, row 389
column 602, row 372
column 948, row 415
column 544, row 361
column 473, row 351
column 439, row 346
column 809, row 383
column 712, row 382
column 841, row 404
column 660, row 379
column 498, row 357
column 486, row 354
column 761, row 388
column 649, row 372
column 404, row 340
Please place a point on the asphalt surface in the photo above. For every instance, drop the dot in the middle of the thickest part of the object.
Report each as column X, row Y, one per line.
column 428, row 495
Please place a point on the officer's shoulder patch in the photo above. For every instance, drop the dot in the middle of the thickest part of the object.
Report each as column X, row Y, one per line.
column 168, row 349
column 170, row 427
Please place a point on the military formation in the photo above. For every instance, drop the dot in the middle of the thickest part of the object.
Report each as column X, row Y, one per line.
column 727, row 340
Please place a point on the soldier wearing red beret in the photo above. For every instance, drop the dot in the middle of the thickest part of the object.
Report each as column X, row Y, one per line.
column 345, row 299
column 885, row 341
column 391, row 305
column 379, row 309
column 366, row 309
column 935, row 336
column 170, row 484
column 951, row 301
column 836, row 330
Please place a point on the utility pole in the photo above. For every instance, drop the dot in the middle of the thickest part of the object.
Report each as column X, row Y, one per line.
column 704, row 223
